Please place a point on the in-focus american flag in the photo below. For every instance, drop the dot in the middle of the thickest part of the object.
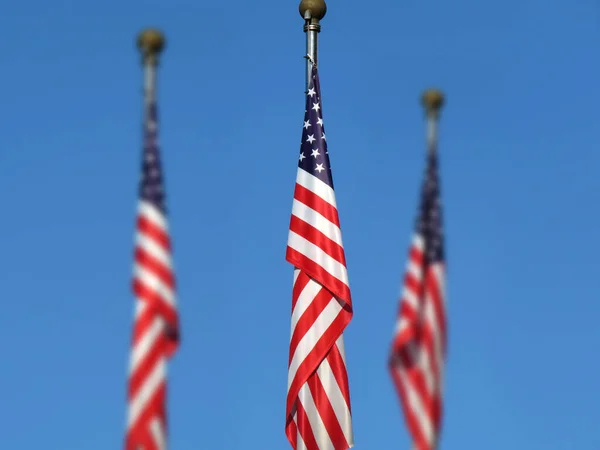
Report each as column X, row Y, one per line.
column 419, row 346
column 155, row 329
column 318, row 415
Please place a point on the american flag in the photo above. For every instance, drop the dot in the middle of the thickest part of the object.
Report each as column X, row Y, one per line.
column 419, row 347
column 318, row 415
column 155, row 329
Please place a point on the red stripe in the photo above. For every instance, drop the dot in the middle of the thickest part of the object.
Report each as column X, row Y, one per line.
column 416, row 255
column 411, row 420
column 318, row 273
column 301, row 281
column 141, row 324
column 139, row 435
column 308, row 318
column 155, row 301
column 153, row 265
column 338, row 368
column 314, row 236
column 304, row 429
column 315, row 202
column 154, row 355
column 438, row 304
column 323, row 406
column 158, row 235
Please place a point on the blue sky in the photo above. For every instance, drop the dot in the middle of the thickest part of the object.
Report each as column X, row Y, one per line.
column 519, row 162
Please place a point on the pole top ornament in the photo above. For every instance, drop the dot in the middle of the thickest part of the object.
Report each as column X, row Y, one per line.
column 432, row 100
column 317, row 9
column 151, row 43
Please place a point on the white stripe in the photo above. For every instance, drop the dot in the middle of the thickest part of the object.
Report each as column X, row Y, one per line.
column 341, row 347
column 153, row 214
column 409, row 297
column 145, row 343
column 320, row 222
column 305, row 299
column 401, row 324
column 154, row 249
column 314, row 418
column 140, row 307
column 433, row 320
column 296, row 273
column 336, row 398
column 318, row 256
column 316, row 186
column 299, row 441
column 418, row 242
column 158, row 433
column 151, row 384
column 415, row 270
column 416, row 406
column 312, row 336
column 422, row 357
column 440, row 276
column 154, row 283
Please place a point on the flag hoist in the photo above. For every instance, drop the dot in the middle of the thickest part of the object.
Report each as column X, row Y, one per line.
column 155, row 329
column 418, row 352
column 318, row 413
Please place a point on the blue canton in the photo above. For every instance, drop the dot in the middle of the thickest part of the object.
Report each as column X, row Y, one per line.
column 429, row 221
column 314, row 158
column 151, row 184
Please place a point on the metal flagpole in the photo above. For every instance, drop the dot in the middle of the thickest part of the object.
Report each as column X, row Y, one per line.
column 432, row 100
column 312, row 11
column 151, row 42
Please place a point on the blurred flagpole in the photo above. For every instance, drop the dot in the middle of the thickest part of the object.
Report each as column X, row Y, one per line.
column 432, row 101
column 150, row 43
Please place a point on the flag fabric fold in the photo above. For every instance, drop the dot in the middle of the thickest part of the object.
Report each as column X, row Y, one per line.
column 318, row 413
column 156, row 324
column 418, row 350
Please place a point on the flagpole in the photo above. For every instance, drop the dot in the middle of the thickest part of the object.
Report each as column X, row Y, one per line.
column 433, row 101
column 312, row 11
column 151, row 43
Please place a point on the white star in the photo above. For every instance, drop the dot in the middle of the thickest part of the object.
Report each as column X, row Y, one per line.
column 316, row 106
column 310, row 139
column 311, row 92
column 319, row 168
column 302, row 156
column 152, row 125
column 320, row 121
column 315, row 153
column 149, row 157
column 324, row 138
column 306, row 124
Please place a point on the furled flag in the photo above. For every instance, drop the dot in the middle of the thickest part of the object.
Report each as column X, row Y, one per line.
column 318, row 415
column 155, row 329
column 418, row 350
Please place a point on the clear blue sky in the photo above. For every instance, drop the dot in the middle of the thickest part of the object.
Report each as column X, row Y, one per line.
column 519, row 159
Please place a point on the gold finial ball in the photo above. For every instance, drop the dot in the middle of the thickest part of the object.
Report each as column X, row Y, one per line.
column 433, row 100
column 151, row 41
column 317, row 8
